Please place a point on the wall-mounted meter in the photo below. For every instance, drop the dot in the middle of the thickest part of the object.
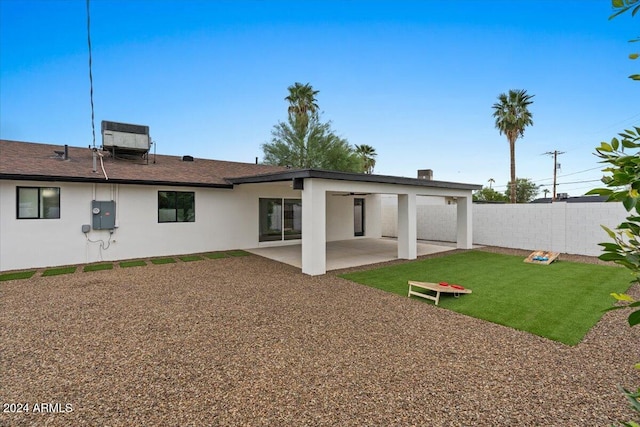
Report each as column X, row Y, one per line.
column 104, row 215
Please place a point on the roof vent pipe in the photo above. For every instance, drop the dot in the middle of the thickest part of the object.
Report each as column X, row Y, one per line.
column 66, row 152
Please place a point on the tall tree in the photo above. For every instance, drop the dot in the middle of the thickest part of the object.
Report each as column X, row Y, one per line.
column 304, row 142
column 488, row 194
column 302, row 103
column 526, row 190
column 315, row 146
column 368, row 156
column 512, row 117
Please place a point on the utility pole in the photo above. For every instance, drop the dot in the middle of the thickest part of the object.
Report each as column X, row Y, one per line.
column 555, row 155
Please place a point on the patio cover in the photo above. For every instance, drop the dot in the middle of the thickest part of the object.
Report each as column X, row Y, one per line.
column 316, row 184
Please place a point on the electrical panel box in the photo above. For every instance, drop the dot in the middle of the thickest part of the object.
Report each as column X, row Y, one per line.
column 104, row 215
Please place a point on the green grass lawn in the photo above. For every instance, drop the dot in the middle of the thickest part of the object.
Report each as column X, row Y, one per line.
column 561, row 301
column 189, row 258
column 216, row 255
column 163, row 261
column 98, row 267
column 135, row 263
column 17, row 275
column 238, row 253
column 58, row 271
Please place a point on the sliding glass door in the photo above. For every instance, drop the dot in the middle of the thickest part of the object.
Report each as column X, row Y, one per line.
column 270, row 220
column 292, row 219
column 280, row 219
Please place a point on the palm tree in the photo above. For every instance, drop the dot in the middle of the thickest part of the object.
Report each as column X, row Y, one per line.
column 302, row 103
column 512, row 117
column 491, row 181
column 368, row 155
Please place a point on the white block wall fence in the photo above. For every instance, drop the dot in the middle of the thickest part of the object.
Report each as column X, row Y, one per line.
column 572, row 228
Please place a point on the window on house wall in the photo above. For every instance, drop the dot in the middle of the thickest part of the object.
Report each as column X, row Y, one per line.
column 280, row 219
column 176, row 206
column 38, row 203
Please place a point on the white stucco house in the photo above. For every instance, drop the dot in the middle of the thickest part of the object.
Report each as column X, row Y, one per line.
column 73, row 205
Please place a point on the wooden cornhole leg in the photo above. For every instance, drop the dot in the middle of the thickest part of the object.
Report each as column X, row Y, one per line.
column 435, row 298
column 434, row 287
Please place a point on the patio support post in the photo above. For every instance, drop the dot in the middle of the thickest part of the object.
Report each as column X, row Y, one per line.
column 407, row 232
column 464, row 223
column 314, row 229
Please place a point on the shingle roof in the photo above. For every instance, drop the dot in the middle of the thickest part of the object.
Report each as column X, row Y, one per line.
column 25, row 160
column 39, row 162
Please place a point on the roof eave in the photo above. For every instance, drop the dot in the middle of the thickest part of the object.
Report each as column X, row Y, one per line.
column 97, row 180
column 349, row 176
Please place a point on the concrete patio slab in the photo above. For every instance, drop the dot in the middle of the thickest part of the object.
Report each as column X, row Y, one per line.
column 350, row 253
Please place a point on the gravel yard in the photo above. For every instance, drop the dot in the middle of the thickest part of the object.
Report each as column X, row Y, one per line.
column 248, row 342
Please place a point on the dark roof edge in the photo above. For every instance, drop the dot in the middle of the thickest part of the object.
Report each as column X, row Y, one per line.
column 47, row 178
column 350, row 176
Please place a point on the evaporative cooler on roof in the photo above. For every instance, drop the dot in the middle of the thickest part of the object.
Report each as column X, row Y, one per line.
column 125, row 140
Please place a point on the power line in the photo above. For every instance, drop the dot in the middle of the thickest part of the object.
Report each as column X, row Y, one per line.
column 93, row 119
column 575, row 173
column 628, row 119
column 559, row 183
column 573, row 182
column 538, row 181
column 567, row 174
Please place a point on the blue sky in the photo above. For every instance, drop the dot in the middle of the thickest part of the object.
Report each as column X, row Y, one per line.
column 414, row 79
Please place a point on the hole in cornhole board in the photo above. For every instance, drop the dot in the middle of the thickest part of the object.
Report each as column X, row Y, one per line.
column 542, row 257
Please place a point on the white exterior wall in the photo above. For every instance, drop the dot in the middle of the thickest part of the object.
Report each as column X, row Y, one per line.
column 340, row 210
column 340, row 224
column 560, row 227
column 225, row 219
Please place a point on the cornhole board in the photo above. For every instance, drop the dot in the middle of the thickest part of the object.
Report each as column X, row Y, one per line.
column 542, row 257
column 437, row 288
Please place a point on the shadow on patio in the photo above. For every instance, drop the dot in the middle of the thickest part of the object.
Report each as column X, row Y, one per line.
column 350, row 253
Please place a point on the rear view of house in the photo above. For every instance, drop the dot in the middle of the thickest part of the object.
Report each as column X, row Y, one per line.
column 72, row 205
